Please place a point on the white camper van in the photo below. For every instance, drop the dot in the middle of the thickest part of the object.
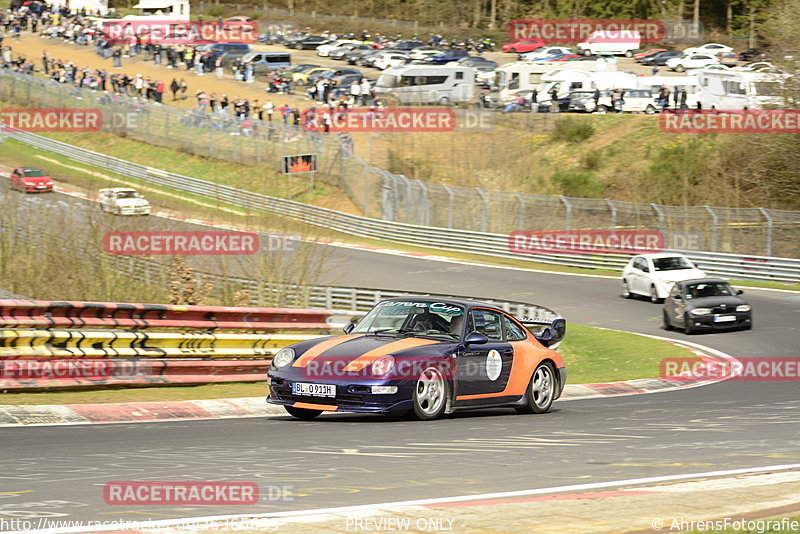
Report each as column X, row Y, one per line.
column 427, row 84
column 740, row 89
column 523, row 76
column 617, row 42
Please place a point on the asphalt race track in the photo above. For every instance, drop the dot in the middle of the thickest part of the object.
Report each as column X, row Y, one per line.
column 341, row 459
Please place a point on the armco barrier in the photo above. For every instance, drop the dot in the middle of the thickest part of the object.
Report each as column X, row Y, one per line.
column 46, row 314
column 39, row 375
column 485, row 244
column 116, row 344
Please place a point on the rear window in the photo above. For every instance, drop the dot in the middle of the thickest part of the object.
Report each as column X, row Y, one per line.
column 278, row 58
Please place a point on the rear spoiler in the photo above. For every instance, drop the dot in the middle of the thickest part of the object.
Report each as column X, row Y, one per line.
column 552, row 333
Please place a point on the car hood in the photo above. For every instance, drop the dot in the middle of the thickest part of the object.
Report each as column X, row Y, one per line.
column 678, row 275
column 37, row 180
column 132, row 202
column 713, row 302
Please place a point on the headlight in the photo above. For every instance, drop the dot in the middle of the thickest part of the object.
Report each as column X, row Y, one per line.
column 700, row 311
column 743, row 308
column 284, row 357
column 382, row 365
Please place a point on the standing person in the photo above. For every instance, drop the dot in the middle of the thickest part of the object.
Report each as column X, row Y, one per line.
column 554, row 99
column 259, row 109
column 160, row 88
column 596, row 97
column 117, row 57
column 199, row 64
column 620, row 100
column 665, row 100
column 355, row 92
column 675, row 97
column 212, row 102
column 184, row 87
column 218, row 67
column 223, row 104
column 174, row 86
column 683, row 99
column 269, row 109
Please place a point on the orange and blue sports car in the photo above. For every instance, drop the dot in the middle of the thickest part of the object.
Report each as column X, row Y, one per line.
column 427, row 356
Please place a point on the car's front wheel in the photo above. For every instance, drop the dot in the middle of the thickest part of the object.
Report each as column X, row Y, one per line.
column 667, row 325
column 650, row 109
column 679, row 68
column 430, row 394
column 541, row 390
column 654, row 295
column 688, row 329
column 626, row 290
column 302, row 413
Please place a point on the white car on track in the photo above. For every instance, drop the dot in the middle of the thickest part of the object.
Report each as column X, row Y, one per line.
column 124, row 201
column 652, row 275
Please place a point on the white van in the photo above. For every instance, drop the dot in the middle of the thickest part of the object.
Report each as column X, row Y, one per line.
column 427, row 84
column 617, row 42
column 740, row 89
column 523, row 76
column 567, row 81
column 674, row 84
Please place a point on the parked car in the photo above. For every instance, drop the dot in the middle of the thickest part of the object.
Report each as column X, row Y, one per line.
column 340, row 53
column 523, row 45
column 267, row 61
column 228, row 51
column 422, row 55
column 729, row 59
column 123, row 201
column 303, row 76
column 309, row 42
column 660, row 59
column 330, row 73
column 31, row 180
column 635, row 101
column 390, row 59
column 425, row 356
column 713, row 49
column 708, row 304
column 324, row 50
column 753, row 54
column 652, row 275
column 407, row 45
column 638, row 57
column 446, row 57
column 544, row 52
column 694, row 61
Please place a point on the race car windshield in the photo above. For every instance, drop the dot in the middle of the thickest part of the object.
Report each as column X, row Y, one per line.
column 706, row 290
column 33, row 173
column 419, row 318
column 671, row 264
column 127, row 194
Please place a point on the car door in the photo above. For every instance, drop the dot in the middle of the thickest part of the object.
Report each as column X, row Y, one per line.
column 635, row 275
column 484, row 370
column 676, row 304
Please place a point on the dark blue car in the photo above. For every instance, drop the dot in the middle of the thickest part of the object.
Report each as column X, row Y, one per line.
column 423, row 355
column 446, row 57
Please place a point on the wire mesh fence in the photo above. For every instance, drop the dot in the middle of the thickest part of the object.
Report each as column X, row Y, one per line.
column 381, row 194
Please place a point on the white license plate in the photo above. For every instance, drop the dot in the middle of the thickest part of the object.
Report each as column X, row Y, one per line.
column 314, row 390
column 724, row 318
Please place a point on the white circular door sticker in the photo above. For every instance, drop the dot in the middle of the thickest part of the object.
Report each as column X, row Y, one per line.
column 494, row 364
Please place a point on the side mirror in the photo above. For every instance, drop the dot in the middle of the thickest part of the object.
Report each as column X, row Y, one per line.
column 475, row 338
column 739, row 292
column 645, row 269
column 348, row 328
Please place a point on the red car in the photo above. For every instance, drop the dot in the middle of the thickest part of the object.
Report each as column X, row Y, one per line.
column 31, row 180
column 523, row 45
column 641, row 55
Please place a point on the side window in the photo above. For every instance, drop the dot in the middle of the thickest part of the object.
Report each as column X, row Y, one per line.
column 638, row 263
column 459, row 75
column 488, row 323
column 514, row 332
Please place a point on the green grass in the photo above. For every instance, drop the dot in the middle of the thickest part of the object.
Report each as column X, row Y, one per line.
column 592, row 355
column 595, row 355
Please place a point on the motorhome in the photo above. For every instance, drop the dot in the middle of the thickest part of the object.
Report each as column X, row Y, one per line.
column 427, row 84
column 618, row 42
column 524, row 76
column 162, row 9
column 674, row 84
column 566, row 81
column 740, row 89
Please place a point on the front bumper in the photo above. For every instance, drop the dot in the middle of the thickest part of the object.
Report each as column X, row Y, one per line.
column 135, row 211
column 38, row 189
column 351, row 396
column 710, row 322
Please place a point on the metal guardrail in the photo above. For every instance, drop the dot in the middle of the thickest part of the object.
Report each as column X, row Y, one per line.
column 484, row 244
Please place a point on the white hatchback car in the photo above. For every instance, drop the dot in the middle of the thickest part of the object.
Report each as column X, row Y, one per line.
column 652, row 275
column 713, row 49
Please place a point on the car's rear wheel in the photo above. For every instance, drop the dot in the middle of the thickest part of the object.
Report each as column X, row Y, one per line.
column 629, row 53
column 601, row 109
column 679, row 68
column 541, row 390
column 430, row 394
column 626, row 290
column 654, row 295
column 302, row 413
column 650, row 109
column 665, row 318
column 587, row 52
